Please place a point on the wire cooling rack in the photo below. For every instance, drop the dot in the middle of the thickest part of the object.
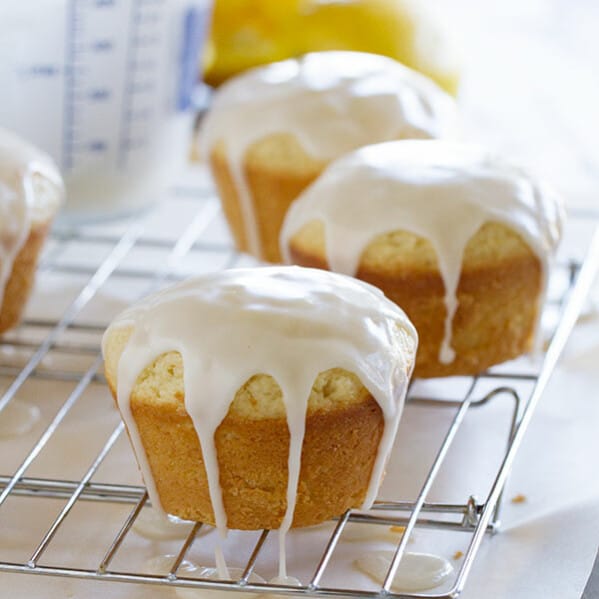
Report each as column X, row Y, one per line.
column 59, row 356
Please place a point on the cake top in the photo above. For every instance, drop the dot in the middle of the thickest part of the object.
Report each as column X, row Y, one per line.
column 288, row 322
column 332, row 102
column 430, row 187
column 440, row 190
column 29, row 180
column 272, row 311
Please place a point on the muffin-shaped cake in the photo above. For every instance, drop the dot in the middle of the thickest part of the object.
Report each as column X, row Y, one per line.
column 31, row 191
column 272, row 130
column 261, row 398
column 457, row 237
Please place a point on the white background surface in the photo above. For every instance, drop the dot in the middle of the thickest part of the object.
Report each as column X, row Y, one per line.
column 531, row 89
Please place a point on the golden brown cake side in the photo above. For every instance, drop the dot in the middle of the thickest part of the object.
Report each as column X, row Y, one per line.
column 20, row 281
column 498, row 293
column 276, row 170
column 343, row 429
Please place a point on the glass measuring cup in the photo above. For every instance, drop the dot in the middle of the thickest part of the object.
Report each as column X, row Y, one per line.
column 105, row 87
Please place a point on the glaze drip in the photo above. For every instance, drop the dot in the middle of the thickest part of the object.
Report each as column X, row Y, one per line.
column 439, row 190
column 331, row 102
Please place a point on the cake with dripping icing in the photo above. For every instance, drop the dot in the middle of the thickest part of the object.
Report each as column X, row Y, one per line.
column 261, row 398
column 272, row 130
column 456, row 236
column 31, row 192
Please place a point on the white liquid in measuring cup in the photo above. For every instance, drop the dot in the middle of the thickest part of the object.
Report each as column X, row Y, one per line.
column 105, row 87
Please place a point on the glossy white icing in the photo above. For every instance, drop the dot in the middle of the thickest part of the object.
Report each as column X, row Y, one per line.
column 213, row 574
column 23, row 199
column 219, row 557
column 282, row 576
column 289, row 322
column 290, row 581
column 331, row 102
column 158, row 526
column 440, row 190
column 161, row 564
column 416, row 572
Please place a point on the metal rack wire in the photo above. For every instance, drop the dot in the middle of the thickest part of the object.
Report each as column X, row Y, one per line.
column 77, row 339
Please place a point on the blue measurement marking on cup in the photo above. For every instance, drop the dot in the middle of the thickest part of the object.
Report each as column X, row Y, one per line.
column 144, row 38
column 97, row 146
column 39, row 70
column 80, row 92
column 76, row 95
column 69, row 84
column 99, row 94
column 89, row 90
column 114, row 115
column 102, row 45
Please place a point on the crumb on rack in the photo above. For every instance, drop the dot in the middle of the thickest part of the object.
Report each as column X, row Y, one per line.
column 458, row 554
column 398, row 529
column 519, row 498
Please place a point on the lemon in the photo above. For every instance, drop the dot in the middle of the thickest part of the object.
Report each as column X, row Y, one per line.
column 247, row 33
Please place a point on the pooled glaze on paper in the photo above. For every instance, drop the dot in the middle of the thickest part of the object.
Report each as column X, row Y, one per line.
column 286, row 580
column 416, row 571
column 21, row 202
column 331, row 102
column 161, row 565
column 163, row 527
column 18, row 418
column 439, row 190
column 287, row 322
column 233, row 574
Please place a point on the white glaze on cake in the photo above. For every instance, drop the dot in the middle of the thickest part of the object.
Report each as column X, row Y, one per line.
column 331, row 102
column 439, row 190
column 288, row 322
column 31, row 190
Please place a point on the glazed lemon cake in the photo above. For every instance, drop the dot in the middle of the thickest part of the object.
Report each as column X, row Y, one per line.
column 456, row 236
column 272, row 130
column 261, row 398
column 31, row 192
